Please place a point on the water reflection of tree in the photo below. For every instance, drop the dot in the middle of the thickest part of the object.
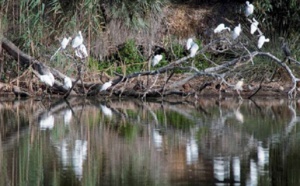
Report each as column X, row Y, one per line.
column 167, row 142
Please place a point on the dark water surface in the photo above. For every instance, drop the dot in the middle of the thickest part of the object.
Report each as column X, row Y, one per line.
column 89, row 142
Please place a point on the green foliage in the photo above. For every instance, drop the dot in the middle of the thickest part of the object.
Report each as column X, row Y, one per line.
column 281, row 17
column 130, row 53
column 129, row 59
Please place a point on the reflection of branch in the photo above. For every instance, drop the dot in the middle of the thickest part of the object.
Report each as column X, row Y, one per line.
column 151, row 112
column 293, row 121
column 259, row 87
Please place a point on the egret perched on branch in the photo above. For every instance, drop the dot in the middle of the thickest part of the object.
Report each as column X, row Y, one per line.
column 48, row 79
column 236, row 31
column 249, row 9
column 220, row 28
column 254, row 26
column 156, row 59
column 193, row 50
column 63, row 45
column 262, row 39
column 78, row 40
column 189, row 43
column 81, row 51
column 239, row 86
column 105, row 86
column 67, row 82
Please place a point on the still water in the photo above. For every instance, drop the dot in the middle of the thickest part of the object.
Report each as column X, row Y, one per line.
column 129, row 142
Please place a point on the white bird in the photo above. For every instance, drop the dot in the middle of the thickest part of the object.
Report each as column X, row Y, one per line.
column 81, row 51
column 156, row 59
column 254, row 26
column 78, row 40
column 220, row 28
column 239, row 85
column 236, row 31
column 63, row 45
column 67, row 82
column 106, row 111
column 47, row 122
column 48, row 79
column 262, row 39
column 249, row 9
column 189, row 43
column 106, row 85
column 193, row 50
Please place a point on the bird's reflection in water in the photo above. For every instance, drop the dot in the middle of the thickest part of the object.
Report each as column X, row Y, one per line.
column 157, row 139
column 236, row 163
column 252, row 179
column 79, row 156
column 67, row 116
column 47, row 122
column 221, row 168
column 73, row 156
column 262, row 156
column 106, row 111
column 191, row 151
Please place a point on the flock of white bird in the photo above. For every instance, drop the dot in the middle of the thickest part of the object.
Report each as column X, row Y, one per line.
column 80, row 52
column 249, row 10
column 191, row 46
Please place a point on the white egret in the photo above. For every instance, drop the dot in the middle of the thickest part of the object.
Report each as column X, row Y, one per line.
column 189, row 43
column 48, row 79
column 156, row 59
column 106, row 85
column 220, row 28
column 249, row 9
column 47, row 122
column 78, row 40
column 193, row 50
column 106, row 111
column 236, row 31
column 81, row 51
column 67, row 82
column 239, row 86
column 63, row 45
column 254, row 26
column 262, row 39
